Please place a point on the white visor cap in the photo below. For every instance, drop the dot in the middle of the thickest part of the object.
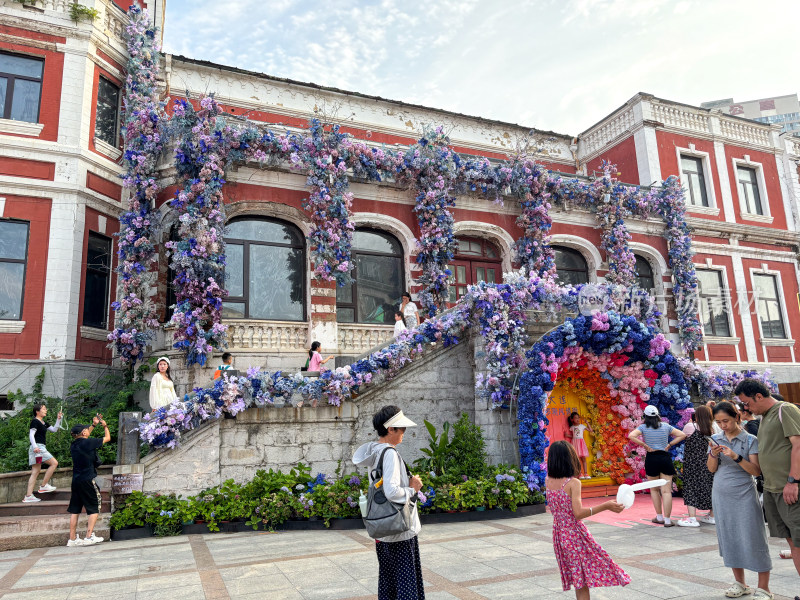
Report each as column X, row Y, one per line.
column 399, row 420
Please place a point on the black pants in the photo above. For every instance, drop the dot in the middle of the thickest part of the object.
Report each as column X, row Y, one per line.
column 399, row 570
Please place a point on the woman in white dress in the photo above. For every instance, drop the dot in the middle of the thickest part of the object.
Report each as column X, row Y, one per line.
column 162, row 390
column 409, row 310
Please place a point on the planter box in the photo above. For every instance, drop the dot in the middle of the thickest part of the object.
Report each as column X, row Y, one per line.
column 132, row 533
column 492, row 514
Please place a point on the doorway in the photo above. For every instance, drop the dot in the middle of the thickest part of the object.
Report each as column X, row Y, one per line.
column 475, row 260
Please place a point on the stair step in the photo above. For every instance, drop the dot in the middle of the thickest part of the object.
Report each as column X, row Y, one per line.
column 64, row 494
column 35, row 524
column 45, row 507
column 44, row 539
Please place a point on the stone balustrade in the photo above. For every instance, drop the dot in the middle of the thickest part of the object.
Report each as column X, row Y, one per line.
column 744, row 132
column 359, row 338
column 681, row 117
column 600, row 137
column 285, row 336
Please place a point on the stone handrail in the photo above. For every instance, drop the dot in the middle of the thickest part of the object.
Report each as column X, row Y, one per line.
column 684, row 118
column 744, row 132
column 601, row 136
column 248, row 334
column 358, row 338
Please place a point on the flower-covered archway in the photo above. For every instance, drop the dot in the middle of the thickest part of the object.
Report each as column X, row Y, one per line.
column 638, row 369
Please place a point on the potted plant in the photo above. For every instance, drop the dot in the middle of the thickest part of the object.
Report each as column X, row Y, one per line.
column 471, row 495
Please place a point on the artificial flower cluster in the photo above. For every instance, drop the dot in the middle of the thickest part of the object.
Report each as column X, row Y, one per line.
column 717, row 382
column 143, row 117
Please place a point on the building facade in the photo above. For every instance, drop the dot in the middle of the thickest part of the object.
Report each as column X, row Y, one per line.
column 779, row 110
column 60, row 201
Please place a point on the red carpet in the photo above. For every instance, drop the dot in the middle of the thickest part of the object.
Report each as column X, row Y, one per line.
column 641, row 512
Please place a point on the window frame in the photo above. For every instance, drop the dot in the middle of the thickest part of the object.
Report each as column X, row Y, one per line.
column 652, row 274
column 766, row 215
column 708, row 179
column 776, row 278
column 245, row 297
column 9, row 99
column 571, row 250
column 726, row 300
column 107, row 302
column 118, row 113
column 19, row 261
column 353, row 304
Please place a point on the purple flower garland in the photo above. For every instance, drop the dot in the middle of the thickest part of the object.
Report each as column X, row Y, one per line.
column 136, row 315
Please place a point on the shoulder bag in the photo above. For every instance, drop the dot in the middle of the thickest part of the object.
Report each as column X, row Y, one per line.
column 384, row 517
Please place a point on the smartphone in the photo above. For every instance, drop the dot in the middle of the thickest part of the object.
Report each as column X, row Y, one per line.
column 712, row 441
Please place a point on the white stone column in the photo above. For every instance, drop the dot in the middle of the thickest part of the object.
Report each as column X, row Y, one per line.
column 745, row 308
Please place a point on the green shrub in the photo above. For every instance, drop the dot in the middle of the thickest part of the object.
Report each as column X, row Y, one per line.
column 466, row 452
column 111, row 395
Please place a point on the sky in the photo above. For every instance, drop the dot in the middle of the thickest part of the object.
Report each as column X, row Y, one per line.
column 556, row 65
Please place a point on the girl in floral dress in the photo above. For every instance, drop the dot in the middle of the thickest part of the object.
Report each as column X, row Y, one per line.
column 576, row 429
column 581, row 560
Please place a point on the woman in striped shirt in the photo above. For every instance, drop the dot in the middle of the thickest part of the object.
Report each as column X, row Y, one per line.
column 653, row 435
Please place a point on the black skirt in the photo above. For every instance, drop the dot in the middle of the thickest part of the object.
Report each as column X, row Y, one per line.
column 658, row 462
column 399, row 570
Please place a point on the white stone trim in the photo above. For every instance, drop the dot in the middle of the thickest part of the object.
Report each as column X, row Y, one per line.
column 93, row 333
column 762, row 190
column 708, row 178
column 787, row 329
column 396, row 228
column 11, row 326
column 107, row 149
column 589, row 251
column 647, row 160
column 731, row 341
column 21, row 127
column 493, row 233
column 660, row 270
column 2, row 207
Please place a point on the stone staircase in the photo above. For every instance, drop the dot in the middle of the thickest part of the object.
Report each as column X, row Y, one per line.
column 46, row 523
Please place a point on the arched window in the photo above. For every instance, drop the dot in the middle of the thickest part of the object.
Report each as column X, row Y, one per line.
column 571, row 267
column 378, row 279
column 644, row 273
column 265, row 271
column 171, row 297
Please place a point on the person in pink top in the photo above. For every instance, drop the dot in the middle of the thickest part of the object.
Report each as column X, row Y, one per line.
column 315, row 360
column 581, row 560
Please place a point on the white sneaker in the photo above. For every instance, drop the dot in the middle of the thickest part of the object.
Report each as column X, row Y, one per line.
column 76, row 542
column 92, row 539
column 707, row 519
column 687, row 523
column 47, row 488
column 31, row 498
column 763, row 595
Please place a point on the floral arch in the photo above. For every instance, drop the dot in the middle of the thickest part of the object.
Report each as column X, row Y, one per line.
column 618, row 364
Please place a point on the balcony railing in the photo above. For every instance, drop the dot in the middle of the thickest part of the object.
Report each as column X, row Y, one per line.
column 281, row 336
column 359, row 338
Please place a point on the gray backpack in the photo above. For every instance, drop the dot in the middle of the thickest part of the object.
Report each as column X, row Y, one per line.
column 384, row 517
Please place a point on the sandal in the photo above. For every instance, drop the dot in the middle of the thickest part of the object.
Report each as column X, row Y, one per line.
column 657, row 521
column 737, row 590
column 785, row 554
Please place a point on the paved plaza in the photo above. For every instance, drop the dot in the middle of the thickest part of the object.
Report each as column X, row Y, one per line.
column 505, row 559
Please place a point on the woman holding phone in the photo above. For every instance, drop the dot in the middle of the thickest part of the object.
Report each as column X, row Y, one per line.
column 38, row 454
column 742, row 538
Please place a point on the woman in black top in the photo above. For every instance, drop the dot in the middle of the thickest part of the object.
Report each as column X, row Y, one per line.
column 38, row 454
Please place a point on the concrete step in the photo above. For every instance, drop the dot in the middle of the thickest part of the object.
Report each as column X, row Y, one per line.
column 64, row 494
column 45, row 507
column 21, row 533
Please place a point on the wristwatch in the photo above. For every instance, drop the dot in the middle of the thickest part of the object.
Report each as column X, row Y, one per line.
column 793, row 480
column 738, row 460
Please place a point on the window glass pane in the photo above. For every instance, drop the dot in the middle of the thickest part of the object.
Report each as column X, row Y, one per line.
column 346, row 315
column 490, row 251
column 233, row 310
column 569, row 259
column 234, row 270
column 644, row 273
column 95, row 299
column 344, row 294
column 98, row 253
column 3, row 92
column 490, row 278
column 25, row 105
column 21, row 65
column 276, row 283
column 765, row 286
column 461, row 274
column 263, row 231
column 107, row 112
column 697, row 191
column 379, row 287
column 376, row 242
column 13, row 240
column 11, row 280
column 469, row 247
column 572, row 277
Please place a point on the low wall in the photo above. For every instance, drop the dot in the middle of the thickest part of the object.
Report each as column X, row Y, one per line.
column 438, row 387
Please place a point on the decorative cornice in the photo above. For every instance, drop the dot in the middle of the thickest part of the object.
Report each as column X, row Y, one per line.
column 20, row 127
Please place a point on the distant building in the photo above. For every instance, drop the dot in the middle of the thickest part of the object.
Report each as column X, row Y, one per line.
column 780, row 110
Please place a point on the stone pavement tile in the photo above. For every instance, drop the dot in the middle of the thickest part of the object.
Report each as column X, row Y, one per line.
column 179, row 592
column 688, row 562
column 51, row 594
column 786, row 586
column 519, row 564
column 454, row 530
column 456, row 567
column 371, row 583
column 358, row 566
column 14, row 554
column 35, row 578
column 665, row 587
column 249, row 579
column 438, row 596
column 148, row 584
column 320, row 579
column 104, row 590
column 521, row 589
column 284, row 594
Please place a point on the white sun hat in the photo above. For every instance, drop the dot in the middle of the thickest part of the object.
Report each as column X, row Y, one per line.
column 651, row 411
column 165, row 359
column 399, row 420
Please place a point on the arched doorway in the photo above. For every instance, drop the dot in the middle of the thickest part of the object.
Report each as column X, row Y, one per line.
column 475, row 260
